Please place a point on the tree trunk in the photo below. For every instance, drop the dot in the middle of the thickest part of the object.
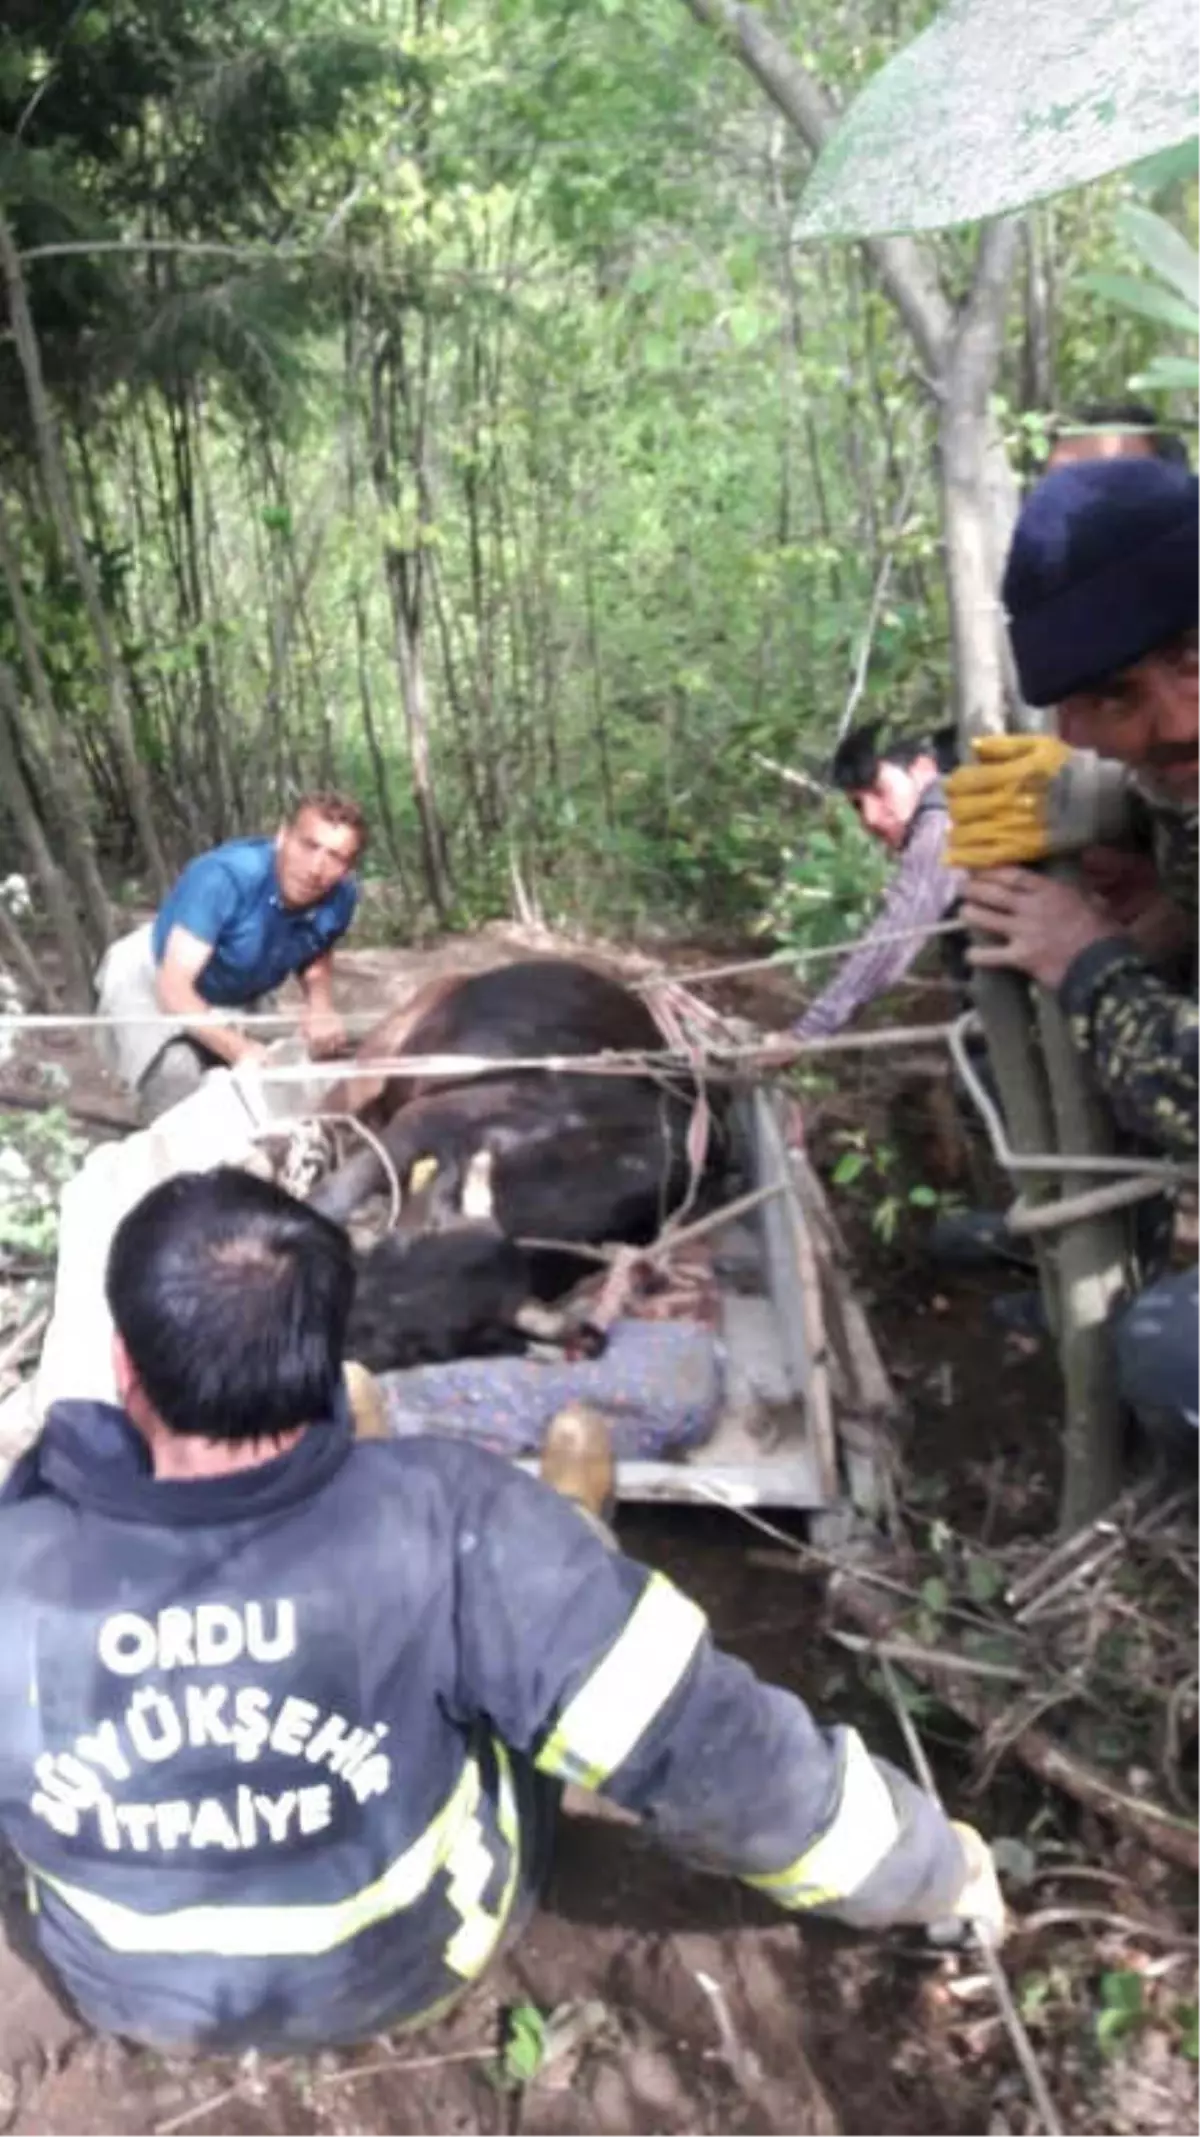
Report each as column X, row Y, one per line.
column 959, row 359
column 1037, row 365
column 975, row 507
column 179, row 426
column 960, row 356
column 16, row 953
column 70, row 787
column 58, row 491
column 42, row 864
column 393, row 397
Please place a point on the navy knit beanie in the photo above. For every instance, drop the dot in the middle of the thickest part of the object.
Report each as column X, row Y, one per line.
column 1102, row 569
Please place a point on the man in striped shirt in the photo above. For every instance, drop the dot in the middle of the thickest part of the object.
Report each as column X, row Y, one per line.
column 895, row 788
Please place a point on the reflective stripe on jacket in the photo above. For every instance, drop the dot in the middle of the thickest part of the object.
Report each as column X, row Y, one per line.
column 280, row 1750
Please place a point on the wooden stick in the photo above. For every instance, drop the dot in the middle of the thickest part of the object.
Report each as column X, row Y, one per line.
column 793, row 778
column 1095, row 1262
column 1172, row 1837
column 906, row 1651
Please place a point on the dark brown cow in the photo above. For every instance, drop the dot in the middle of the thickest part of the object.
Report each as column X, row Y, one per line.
column 566, row 1156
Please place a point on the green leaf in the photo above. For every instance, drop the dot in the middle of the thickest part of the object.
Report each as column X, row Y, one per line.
column 849, row 1167
column 923, row 1197
column 524, row 2045
column 1166, row 374
column 972, row 119
column 885, row 1217
column 1145, row 298
column 1188, row 2020
column 1174, row 166
column 984, row 1580
column 1123, row 1991
column 1164, row 249
column 935, row 1594
column 1111, row 2028
column 1033, row 1993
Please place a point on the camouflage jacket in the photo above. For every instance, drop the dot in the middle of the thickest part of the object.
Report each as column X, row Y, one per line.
column 1139, row 1030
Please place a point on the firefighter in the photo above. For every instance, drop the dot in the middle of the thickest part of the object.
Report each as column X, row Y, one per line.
column 284, row 1716
column 1101, row 593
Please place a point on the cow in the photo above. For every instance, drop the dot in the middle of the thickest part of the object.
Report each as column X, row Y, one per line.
column 493, row 1166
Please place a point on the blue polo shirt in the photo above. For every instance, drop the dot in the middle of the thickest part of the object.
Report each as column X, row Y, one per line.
column 231, row 898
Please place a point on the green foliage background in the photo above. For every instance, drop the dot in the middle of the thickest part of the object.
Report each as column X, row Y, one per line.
column 489, row 318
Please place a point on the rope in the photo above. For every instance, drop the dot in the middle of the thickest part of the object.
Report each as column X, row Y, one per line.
column 368, row 1135
column 289, row 1020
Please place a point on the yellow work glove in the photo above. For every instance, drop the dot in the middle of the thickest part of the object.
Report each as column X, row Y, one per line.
column 980, row 1904
column 1001, row 806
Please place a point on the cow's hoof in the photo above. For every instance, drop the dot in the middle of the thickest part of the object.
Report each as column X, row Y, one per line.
column 577, row 1460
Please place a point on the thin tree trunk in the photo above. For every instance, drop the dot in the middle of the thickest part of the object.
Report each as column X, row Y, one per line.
column 17, row 955
column 43, row 866
column 902, row 266
column 982, row 663
column 58, row 490
column 1037, row 368
column 70, row 786
column 179, row 418
column 908, row 276
column 403, row 577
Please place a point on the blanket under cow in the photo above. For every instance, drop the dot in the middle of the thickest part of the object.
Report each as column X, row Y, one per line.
column 659, row 1383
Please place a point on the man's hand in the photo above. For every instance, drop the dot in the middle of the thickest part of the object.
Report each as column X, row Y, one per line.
column 1042, row 925
column 323, row 1031
column 1000, row 805
column 249, row 1051
column 321, row 1027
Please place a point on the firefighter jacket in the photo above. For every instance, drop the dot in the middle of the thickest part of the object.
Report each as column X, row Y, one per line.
column 279, row 1749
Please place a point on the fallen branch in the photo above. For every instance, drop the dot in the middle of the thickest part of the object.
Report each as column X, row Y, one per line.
column 792, row 777
column 23, row 1342
column 87, row 1116
column 1173, row 1837
column 909, row 1654
column 1099, row 1918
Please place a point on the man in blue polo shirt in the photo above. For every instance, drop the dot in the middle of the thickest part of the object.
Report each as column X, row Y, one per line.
column 239, row 921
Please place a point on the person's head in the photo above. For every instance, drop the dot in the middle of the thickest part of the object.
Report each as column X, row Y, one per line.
column 1100, row 589
column 230, row 1302
column 1123, row 430
column 318, row 846
column 884, row 781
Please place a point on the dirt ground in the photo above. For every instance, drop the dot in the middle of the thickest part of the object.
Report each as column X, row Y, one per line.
column 692, row 2005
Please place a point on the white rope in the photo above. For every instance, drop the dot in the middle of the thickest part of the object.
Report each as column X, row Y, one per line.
column 286, row 1021
column 367, row 1135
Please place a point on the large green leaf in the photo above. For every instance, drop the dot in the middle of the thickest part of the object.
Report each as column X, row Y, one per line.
column 1171, row 167
column 1164, row 249
column 1145, row 298
column 1166, row 374
column 1003, row 102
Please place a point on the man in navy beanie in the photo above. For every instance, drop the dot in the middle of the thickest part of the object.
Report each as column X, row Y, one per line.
column 1101, row 594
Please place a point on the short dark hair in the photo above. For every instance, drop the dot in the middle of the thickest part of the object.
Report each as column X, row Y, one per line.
column 1125, row 417
column 232, row 1300
column 860, row 753
column 336, row 809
